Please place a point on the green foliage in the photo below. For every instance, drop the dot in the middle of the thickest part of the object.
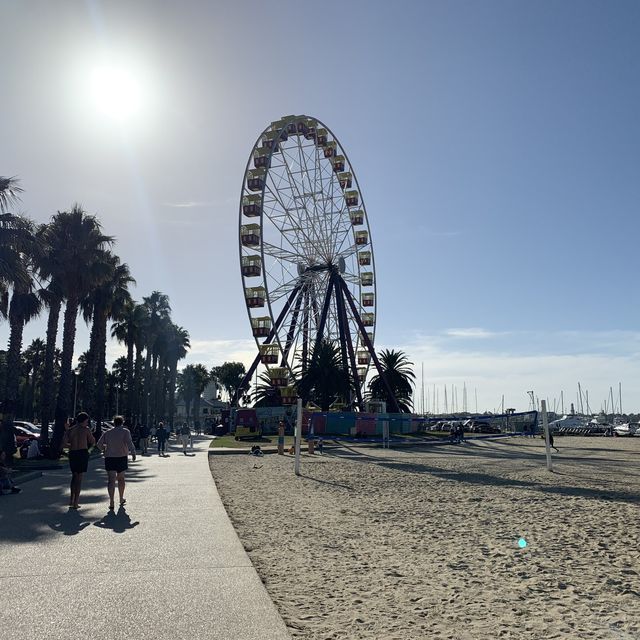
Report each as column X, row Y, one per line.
column 229, row 376
column 326, row 380
column 399, row 376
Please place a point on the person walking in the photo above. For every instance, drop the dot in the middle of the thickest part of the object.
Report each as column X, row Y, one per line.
column 143, row 430
column 185, row 437
column 116, row 443
column 161, row 435
column 79, row 439
column 551, row 442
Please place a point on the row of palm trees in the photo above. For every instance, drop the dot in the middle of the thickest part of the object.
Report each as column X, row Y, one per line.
column 68, row 267
column 326, row 381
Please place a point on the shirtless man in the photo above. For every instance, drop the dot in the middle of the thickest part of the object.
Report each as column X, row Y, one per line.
column 78, row 438
column 116, row 445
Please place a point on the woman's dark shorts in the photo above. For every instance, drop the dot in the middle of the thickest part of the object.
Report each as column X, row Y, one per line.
column 79, row 460
column 116, row 464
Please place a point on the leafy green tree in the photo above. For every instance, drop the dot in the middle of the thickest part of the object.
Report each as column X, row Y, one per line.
column 325, row 381
column 399, row 375
column 229, row 376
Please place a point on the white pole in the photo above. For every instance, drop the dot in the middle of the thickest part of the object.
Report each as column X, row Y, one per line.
column 298, row 435
column 545, row 426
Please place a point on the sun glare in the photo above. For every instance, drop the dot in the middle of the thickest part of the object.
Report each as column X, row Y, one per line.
column 116, row 92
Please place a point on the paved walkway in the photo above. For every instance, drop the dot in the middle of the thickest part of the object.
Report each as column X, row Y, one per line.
column 169, row 565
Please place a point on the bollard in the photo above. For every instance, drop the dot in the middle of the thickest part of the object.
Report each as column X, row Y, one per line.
column 281, row 438
column 312, row 445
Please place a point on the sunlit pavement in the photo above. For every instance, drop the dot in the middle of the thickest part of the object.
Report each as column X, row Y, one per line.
column 167, row 565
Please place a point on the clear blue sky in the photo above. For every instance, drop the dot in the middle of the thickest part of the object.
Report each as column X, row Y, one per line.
column 496, row 145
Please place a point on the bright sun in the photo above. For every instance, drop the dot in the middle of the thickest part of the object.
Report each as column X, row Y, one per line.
column 116, row 92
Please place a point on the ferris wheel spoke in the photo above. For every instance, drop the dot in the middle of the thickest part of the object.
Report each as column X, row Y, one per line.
column 300, row 196
column 318, row 221
column 295, row 225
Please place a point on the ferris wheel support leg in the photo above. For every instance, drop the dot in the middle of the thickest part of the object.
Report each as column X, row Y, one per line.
column 323, row 319
column 342, row 319
column 292, row 327
column 268, row 339
column 369, row 345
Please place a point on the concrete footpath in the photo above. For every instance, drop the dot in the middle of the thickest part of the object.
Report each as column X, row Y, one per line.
column 168, row 565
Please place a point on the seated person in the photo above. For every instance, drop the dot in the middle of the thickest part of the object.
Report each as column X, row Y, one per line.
column 33, row 452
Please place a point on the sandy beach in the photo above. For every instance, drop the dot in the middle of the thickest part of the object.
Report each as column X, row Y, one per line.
column 404, row 544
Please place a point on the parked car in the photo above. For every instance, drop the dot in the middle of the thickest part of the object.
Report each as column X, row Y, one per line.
column 23, row 434
column 27, row 425
column 485, row 427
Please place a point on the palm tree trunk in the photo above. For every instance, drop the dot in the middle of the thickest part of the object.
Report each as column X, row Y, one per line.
column 147, row 387
column 91, row 365
column 130, row 388
column 173, row 375
column 12, row 383
column 32, row 392
column 63, row 403
column 48, row 379
column 196, row 409
column 98, row 411
column 137, row 384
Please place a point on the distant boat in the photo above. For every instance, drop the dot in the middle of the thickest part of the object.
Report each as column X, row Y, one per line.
column 568, row 422
column 626, row 429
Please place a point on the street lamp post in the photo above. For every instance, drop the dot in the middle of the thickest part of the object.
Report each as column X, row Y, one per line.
column 75, row 392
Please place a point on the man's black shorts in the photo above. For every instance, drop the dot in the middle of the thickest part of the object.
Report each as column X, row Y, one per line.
column 79, row 460
column 116, row 464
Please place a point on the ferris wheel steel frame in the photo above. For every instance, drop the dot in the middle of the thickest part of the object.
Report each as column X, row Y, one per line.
column 311, row 220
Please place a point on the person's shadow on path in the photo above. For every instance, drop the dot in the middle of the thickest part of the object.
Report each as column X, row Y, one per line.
column 118, row 521
column 71, row 523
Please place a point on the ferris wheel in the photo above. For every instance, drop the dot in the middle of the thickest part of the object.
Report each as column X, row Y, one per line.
column 306, row 256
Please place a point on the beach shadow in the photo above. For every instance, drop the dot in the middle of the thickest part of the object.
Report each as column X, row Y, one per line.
column 485, row 479
column 118, row 521
column 70, row 523
column 334, row 484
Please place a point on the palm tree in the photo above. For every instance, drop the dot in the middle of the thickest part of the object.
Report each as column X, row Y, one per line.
column 140, row 320
column 399, row 375
column 12, row 235
column 265, row 394
column 33, row 357
column 186, row 387
column 158, row 312
column 10, row 192
column 16, row 233
column 117, row 380
column 125, row 329
column 104, row 302
column 201, row 377
column 24, row 306
column 79, row 272
column 325, row 381
column 177, row 346
column 53, row 239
